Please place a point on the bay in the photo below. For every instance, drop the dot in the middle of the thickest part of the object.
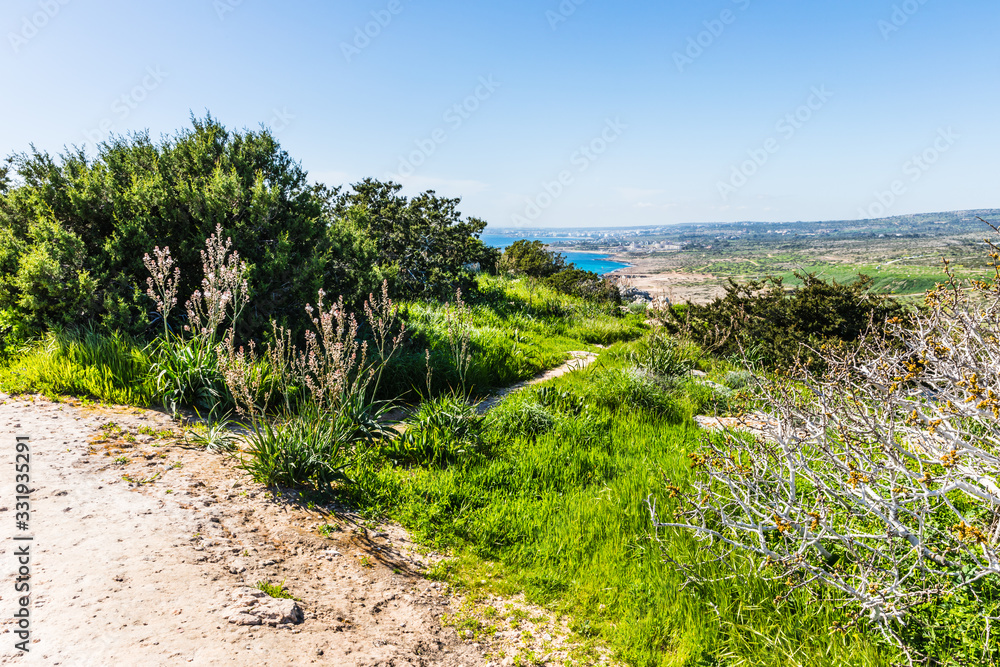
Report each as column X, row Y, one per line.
column 588, row 261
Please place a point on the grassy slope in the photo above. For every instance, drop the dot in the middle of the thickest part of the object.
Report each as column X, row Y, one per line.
column 562, row 516
column 559, row 515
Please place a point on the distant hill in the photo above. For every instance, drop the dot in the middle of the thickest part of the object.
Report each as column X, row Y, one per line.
column 948, row 223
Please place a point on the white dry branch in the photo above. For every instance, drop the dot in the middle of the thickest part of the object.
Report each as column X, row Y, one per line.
column 879, row 477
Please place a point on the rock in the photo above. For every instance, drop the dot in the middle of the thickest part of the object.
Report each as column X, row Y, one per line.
column 237, row 567
column 274, row 611
column 246, row 593
column 254, row 607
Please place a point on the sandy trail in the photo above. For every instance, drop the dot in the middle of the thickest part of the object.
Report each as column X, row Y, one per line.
column 578, row 360
column 126, row 574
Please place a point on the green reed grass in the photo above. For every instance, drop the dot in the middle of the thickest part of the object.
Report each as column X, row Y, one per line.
column 111, row 368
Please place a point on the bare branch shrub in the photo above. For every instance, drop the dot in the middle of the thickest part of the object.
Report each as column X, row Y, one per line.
column 878, row 478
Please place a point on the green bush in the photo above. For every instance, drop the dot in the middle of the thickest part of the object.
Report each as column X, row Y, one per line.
column 530, row 258
column 779, row 328
column 586, row 285
column 43, row 279
column 422, row 245
column 101, row 215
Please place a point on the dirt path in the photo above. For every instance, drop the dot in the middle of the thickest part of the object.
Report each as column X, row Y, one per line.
column 132, row 574
column 578, row 360
column 141, row 542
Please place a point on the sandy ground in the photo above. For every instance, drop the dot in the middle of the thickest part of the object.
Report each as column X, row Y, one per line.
column 142, row 574
column 141, row 539
column 650, row 274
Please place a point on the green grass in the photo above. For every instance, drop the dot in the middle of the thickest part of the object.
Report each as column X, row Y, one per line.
column 274, row 590
column 554, row 506
column 518, row 329
column 546, row 495
column 112, row 368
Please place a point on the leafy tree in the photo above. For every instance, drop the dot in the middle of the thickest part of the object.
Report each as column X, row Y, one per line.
column 530, row 258
column 423, row 245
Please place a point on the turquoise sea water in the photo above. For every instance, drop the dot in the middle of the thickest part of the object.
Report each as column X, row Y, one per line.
column 583, row 260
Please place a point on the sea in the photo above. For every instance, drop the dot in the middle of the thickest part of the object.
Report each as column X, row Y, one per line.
column 588, row 261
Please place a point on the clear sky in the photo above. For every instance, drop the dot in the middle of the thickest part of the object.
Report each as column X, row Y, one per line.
column 541, row 113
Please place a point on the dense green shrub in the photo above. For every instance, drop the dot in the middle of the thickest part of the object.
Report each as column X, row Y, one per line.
column 88, row 222
column 74, row 230
column 586, row 285
column 530, row 258
column 776, row 327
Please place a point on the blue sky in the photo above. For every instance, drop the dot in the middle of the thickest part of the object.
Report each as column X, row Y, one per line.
column 543, row 113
